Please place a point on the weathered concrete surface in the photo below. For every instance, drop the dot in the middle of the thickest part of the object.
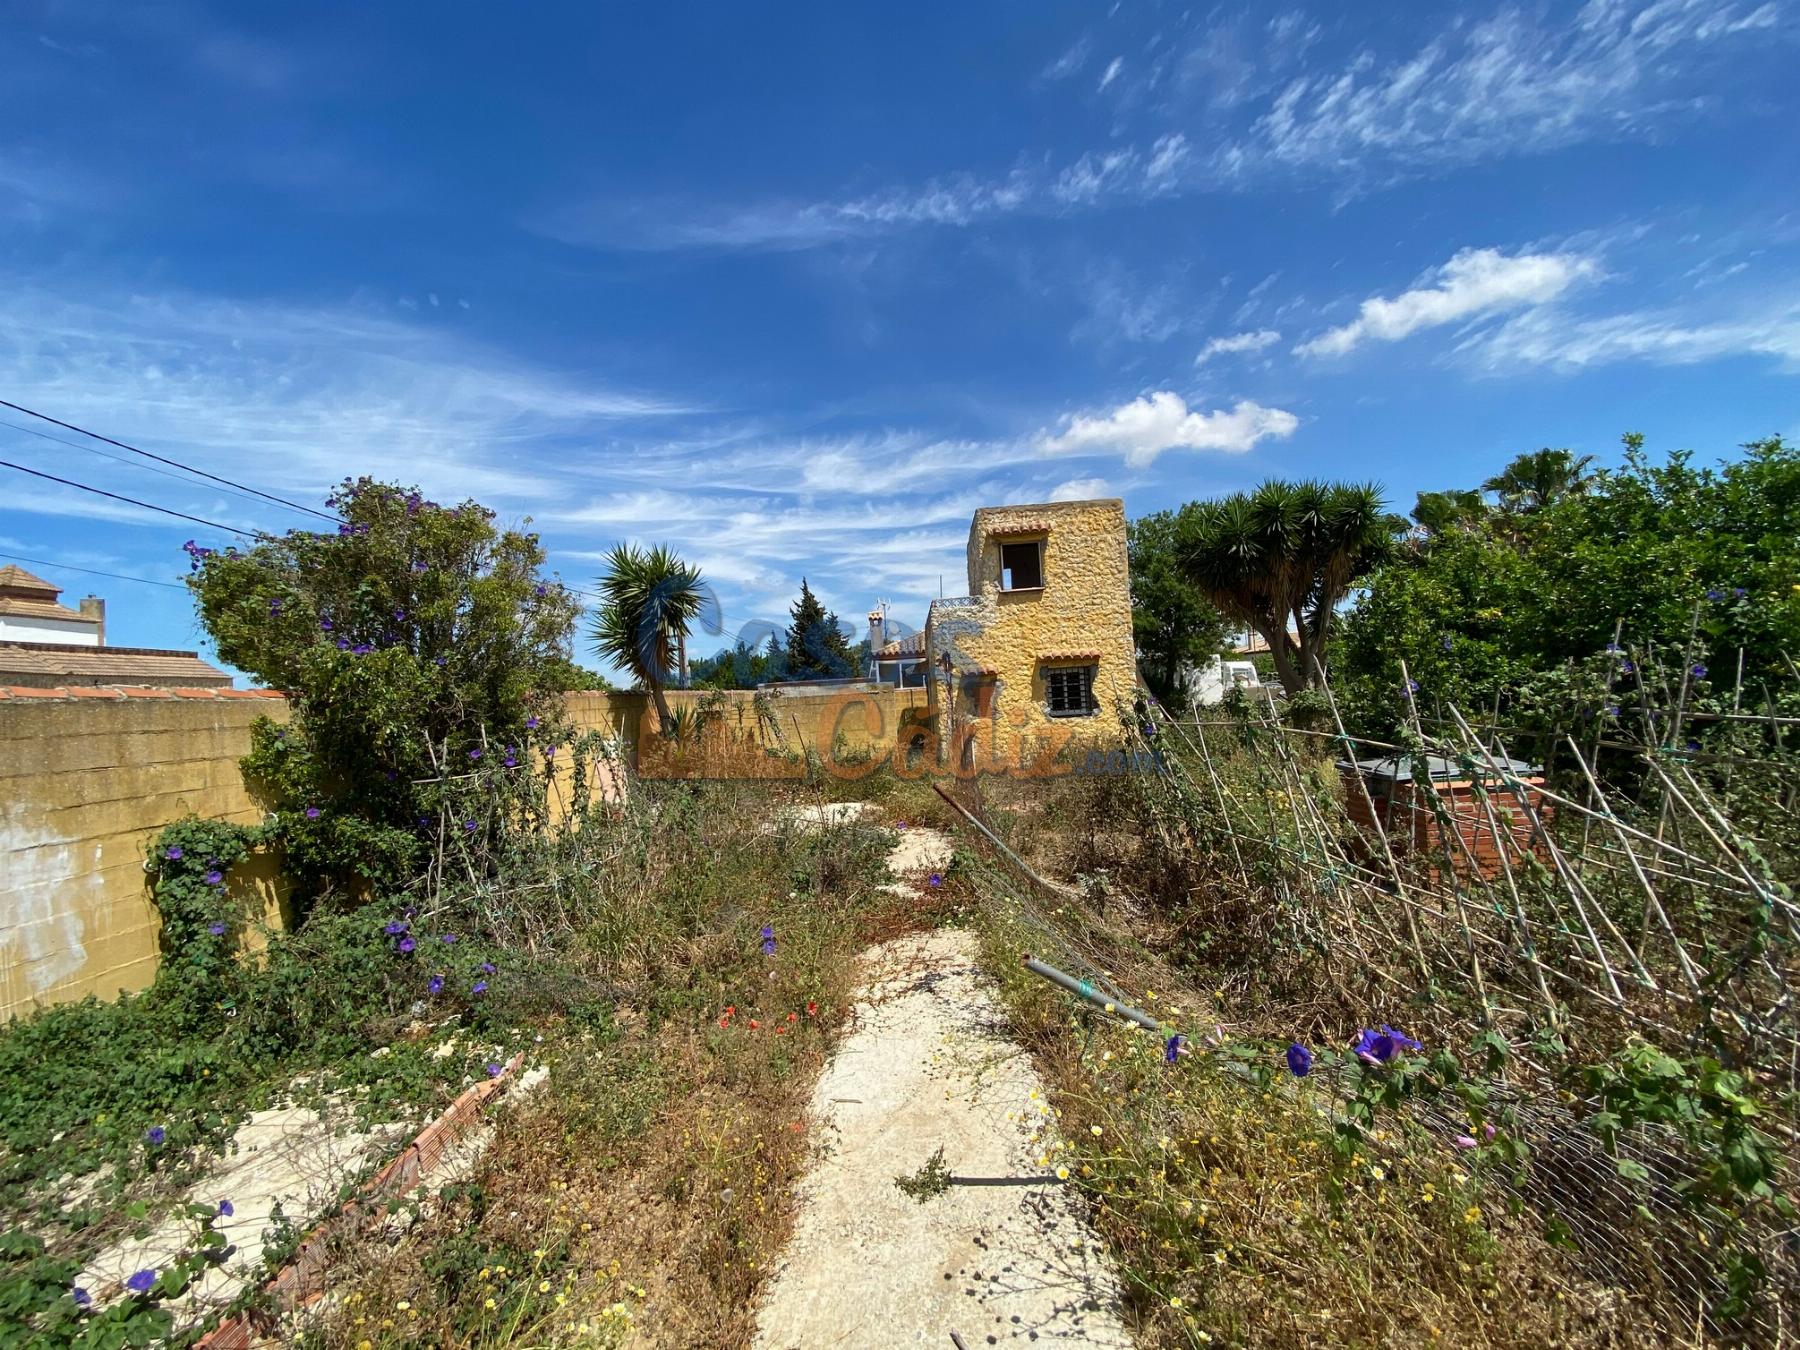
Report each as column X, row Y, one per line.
column 927, row 1066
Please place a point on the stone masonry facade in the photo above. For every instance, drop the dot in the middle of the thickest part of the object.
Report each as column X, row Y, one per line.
column 1040, row 653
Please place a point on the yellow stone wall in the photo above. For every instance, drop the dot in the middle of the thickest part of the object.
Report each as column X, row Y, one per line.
column 89, row 777
column 85, row 784
column 1084, row 606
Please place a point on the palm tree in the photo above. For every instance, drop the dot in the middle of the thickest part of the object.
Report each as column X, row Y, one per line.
column 1281, row 558
column 1535, row 480
column 649, row 600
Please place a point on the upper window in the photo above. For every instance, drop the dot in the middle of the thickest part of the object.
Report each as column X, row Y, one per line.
column 1069, row 691
column 1022, row 566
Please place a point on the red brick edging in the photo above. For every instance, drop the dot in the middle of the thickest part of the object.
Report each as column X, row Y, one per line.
column 301, row 1282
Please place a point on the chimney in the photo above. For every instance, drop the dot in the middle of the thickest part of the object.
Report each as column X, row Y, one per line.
column 93, row 607
column 877, row 629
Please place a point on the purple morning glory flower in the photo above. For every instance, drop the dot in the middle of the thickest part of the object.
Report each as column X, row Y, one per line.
column 214, row 877
column 1412, row 686
column 1446, row 644
column 935, row 879
column 1374, row 1048
column 1612, row 710
column 474, row 754
column 1714, row 593
column 487, row 967
column 313, row 813
column 900, row 825
column 549, row 755
column 469, row 825
column 511, row 761
column 172, row 853
column 447, row 938
column 542, row 591
column 531, row 724
column 494, row 1068
column 480, row 987
column 405, row 946
column 343, row 644
column 274, row 606
column 225, row 1208
column 424, row 822
column 395, row 929
column 361, row 649
column 1698, row 671
column 435, row 985
column 420, row 567
column 1627, row 667
column 1172, row 1049
column 441, row 660
column 768, row 940
column 1464, row 1141
column 216, row 929
column 1612, row 646
column 155, row 1135
column 81, row 1296
column 140, row 1283
column 1738, row 592
column 399, row 616
column 1299, row 1060
column 325, row 625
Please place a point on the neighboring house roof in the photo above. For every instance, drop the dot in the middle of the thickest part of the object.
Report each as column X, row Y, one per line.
column 47, row 664
column 16, row 578
column 24, row 596
column 911, row 645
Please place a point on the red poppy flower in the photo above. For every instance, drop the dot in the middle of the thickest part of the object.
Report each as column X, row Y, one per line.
column 754, row 1024
column 793, row 1017
column 812, row 1010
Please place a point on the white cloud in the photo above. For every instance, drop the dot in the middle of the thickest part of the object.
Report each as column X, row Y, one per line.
column 1519, row 82
column 1111, row 73
column 1550, row 337
column 1145, row 427
column 1068, row 63
column 1078, row 490
column 1473, row 283
column 1237, row 342
column 295, row 398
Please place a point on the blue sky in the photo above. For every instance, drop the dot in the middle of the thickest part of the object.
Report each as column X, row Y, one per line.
column 795, row 288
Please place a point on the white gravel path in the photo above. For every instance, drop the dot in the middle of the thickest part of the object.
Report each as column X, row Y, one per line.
column 1004, row 1256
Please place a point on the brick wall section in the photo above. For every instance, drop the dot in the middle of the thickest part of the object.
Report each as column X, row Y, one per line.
column 87, row 778
column 1413, row 829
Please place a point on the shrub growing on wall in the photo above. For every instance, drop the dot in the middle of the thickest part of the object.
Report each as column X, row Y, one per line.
column 418, row 643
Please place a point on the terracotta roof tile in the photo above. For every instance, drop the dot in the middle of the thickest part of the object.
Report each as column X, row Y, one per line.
column 30, row 607
column 109, row 665
column 16, row 578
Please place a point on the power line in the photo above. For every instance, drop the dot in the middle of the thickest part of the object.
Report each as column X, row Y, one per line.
column 69, row 567
column 116, row 459
column 148, row 506
column 172, row 463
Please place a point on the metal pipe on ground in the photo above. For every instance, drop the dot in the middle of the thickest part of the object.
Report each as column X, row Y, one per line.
column 1085, row 989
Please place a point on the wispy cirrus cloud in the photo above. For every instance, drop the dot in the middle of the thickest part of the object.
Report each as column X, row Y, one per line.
column 1563, row 341
column 306, row 395
column 1517, row 82
column 1236, row 343
column 1512, row 84
column 1473, row 283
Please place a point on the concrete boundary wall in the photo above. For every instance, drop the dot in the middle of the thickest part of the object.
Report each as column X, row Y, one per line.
column 88, row 777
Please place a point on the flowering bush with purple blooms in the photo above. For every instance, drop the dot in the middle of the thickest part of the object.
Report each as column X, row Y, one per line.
column 412, row 632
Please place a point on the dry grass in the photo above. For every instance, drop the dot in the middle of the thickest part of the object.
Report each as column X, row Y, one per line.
column 643, row 1192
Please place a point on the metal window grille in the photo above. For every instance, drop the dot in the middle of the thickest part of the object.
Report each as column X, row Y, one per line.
column 1069, row 691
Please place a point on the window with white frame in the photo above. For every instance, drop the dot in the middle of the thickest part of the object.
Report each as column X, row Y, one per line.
column 1069, row 691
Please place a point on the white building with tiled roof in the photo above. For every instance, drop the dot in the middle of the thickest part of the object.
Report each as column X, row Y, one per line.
column 30, row 612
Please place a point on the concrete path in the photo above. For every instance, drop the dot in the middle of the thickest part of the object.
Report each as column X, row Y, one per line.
column 1004, row 1256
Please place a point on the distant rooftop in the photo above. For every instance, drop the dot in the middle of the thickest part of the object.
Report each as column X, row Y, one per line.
column 49, row 664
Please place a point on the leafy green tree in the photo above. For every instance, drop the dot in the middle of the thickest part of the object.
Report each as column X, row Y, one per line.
column 650, row 600
column 816, row 646
column 1280, row 559
column 1174, row 625
column 414, row 633
column 1657, row 553
column 1440, row 513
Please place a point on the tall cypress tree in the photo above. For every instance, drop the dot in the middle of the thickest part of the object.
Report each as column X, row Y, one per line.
column 816, row 648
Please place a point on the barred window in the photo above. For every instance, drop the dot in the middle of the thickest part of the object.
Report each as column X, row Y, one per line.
column 1069, row 691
